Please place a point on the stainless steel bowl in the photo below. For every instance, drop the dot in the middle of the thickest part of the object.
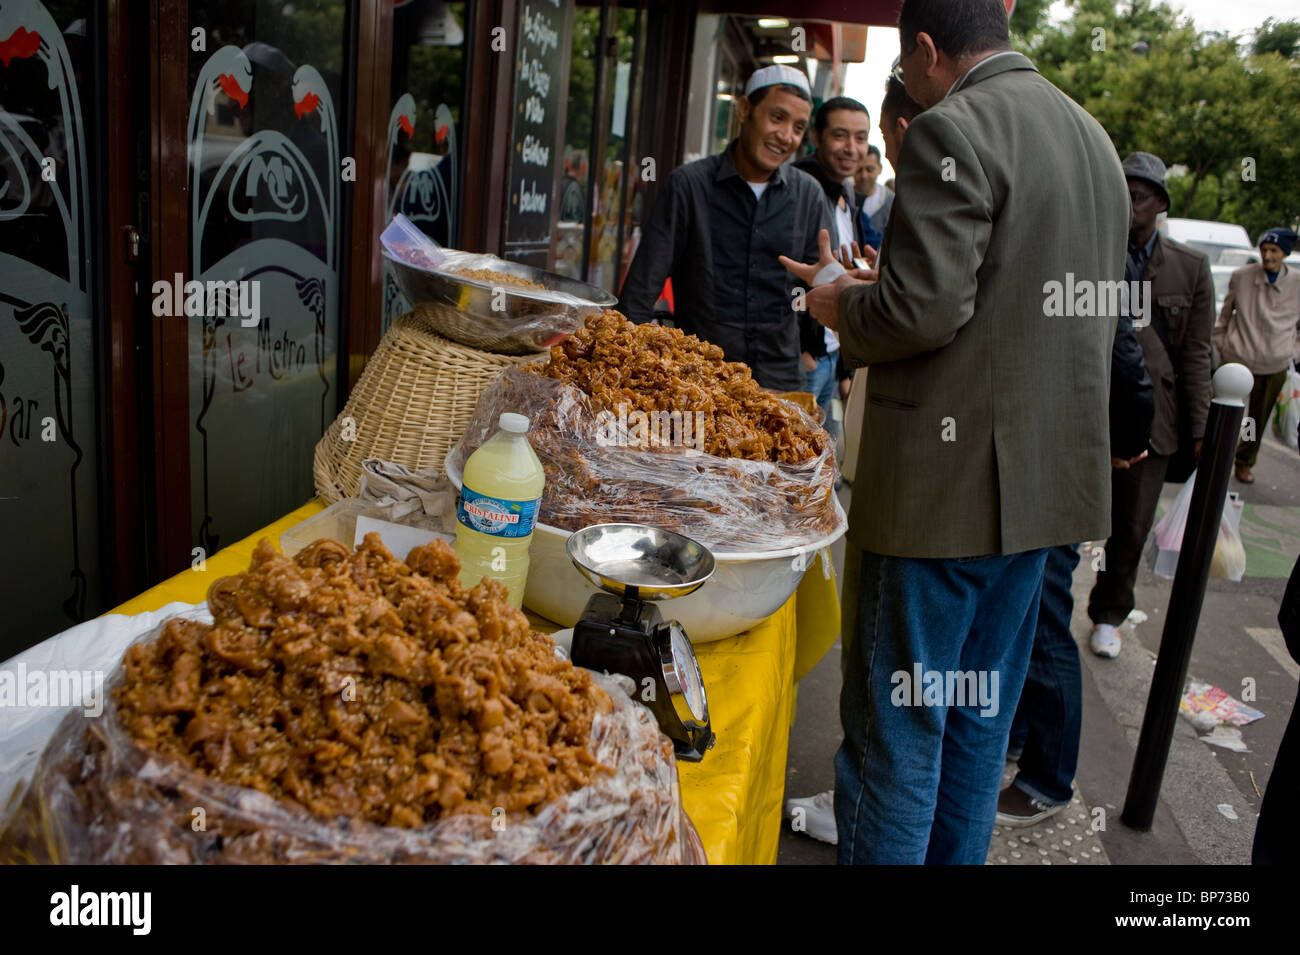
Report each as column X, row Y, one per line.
column 658, row 563
column 502, row 318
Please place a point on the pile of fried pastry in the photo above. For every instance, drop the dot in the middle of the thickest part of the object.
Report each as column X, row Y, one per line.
column 651, row 368
column 357, row 684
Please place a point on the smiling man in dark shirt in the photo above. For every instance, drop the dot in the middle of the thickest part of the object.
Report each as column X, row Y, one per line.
column 719, row 225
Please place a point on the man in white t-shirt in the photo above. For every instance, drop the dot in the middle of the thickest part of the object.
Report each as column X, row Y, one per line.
column 874, row 200
column 839, row 133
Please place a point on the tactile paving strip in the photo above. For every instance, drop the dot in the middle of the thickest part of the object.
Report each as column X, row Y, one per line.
column 1066, row 838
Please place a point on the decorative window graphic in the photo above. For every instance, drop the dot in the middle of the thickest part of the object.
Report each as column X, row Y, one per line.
column 425, row 186
column 263, row 145
column 423, row 171
column 48, row 466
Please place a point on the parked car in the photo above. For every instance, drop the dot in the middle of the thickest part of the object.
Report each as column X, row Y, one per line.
column 1236, row 258
column 1213, row 238
column 1219, row 275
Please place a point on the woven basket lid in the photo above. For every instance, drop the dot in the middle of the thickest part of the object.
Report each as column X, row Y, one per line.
column 410, row 405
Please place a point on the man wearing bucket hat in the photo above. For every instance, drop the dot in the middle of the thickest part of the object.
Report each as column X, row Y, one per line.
column 1257, row 328
column 1173, row 316
column 718, row 226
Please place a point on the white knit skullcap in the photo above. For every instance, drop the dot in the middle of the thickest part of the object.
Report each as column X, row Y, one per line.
column 776, row 76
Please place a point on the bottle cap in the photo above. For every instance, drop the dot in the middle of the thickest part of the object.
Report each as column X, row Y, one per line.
column 514, row 423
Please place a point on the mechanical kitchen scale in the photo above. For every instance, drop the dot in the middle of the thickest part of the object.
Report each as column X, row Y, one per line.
column 622, row 630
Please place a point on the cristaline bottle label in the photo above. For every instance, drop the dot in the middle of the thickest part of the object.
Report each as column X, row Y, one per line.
column 496, row 516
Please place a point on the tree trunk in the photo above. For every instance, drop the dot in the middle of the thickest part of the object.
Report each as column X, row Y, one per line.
column 1191, row 192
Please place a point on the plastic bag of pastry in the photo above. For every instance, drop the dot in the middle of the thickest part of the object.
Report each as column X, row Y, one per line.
column 350, row 707
column 483, row 301
column 644, row 424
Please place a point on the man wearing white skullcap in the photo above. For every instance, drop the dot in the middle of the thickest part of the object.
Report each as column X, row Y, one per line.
column 719, row 225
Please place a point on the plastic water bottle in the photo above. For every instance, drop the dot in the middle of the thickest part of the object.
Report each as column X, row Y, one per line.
column 497, row 509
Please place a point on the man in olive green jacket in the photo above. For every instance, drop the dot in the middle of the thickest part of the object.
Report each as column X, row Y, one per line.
column 989, row 335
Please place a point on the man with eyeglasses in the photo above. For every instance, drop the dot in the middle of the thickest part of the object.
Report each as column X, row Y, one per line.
column 1175, row 337
column 987, row 440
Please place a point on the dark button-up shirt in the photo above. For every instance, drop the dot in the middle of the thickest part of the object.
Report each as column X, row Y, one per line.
column 1138, row 257
column 720, row 245
column 1135, row 264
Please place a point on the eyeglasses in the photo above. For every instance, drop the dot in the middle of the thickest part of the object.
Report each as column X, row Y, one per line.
column 897, row 71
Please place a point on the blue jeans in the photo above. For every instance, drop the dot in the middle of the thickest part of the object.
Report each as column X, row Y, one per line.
column 918, row 774
column 1050, row 715
column 820, row 382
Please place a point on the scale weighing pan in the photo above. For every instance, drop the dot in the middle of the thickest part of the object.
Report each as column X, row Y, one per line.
column 645, row 563
column 622, row 631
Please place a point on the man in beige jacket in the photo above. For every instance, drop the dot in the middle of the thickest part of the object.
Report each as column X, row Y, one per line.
column 1258, row 327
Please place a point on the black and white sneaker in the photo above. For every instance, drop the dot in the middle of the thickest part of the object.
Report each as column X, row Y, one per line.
column 1017, row 809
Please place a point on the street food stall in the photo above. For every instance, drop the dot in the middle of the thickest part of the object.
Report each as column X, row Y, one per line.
column 292, row 699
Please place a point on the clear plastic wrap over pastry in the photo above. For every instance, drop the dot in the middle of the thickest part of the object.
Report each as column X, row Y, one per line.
column 644, row 424
column 350, row 707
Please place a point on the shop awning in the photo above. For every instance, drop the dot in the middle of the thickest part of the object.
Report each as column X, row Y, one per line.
column 872, row 13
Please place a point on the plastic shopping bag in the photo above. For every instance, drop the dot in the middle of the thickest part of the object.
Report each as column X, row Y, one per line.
column 1229, row 552
column 1167, row 537
column 1286, row 417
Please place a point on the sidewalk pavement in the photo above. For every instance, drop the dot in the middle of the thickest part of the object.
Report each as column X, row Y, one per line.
column 1210, row 796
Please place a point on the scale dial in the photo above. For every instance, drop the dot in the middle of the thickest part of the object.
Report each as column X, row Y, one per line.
column 682, row 675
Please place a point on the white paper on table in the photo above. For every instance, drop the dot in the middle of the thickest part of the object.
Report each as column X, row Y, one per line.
column 400, row 539
column 95, row 646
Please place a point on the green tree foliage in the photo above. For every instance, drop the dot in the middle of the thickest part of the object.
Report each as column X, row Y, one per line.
column 1209, row 104
column 1028, row 17
column 1278, row 36
column 582, row 78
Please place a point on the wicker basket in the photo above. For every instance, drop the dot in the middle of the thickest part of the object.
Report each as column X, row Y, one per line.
column 410, row 406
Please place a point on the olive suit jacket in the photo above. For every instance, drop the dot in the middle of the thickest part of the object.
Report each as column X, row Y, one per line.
column 986, row 424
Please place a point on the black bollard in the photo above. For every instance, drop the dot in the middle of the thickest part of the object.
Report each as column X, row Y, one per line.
column 1232, row 384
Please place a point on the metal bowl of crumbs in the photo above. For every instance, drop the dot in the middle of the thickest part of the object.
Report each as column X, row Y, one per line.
column 491, row 303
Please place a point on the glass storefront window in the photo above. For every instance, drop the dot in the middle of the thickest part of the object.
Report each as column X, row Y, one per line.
column 263, row 140
column 50, row 566
column 576, row 178
column 729, row 86
column 424, row 158
column 610, row 225
column 598, row 193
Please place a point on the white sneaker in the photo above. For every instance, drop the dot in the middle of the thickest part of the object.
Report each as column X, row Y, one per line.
column 1105, row 641
column 814, row 815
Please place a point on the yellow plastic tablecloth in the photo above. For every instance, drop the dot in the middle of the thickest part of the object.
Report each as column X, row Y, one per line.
column 734, row 795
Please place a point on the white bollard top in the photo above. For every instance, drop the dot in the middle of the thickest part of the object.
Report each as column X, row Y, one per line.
column 1232, row 384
